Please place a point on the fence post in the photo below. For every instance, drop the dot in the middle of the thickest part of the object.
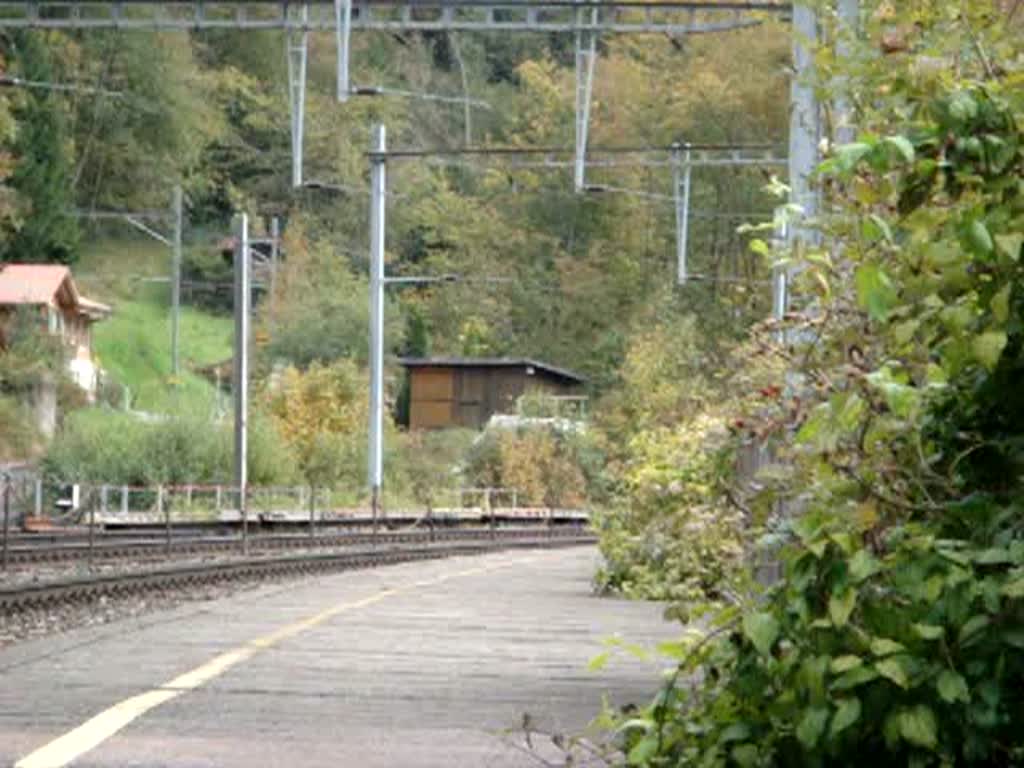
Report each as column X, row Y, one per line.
column 124, row 499
column 430, row 521
column 218, row 502
column 312, row 513
column 244, row 507
column 103, row 499
column 92, row 533
column 7, row 516
column 165, row 511
column 39, row 498
column 490, row 513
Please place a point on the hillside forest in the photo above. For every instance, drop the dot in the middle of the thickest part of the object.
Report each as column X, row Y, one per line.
column 829, row 502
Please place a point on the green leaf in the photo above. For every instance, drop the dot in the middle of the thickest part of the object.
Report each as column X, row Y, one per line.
column 1010, row 245
column 599, row 661
column 644, row 750
column 842, row 664
column 892, row 669
column 762, row 630
column 902, row 145
column 917, row 726
column 973, row 625
column 994, row 556
column 952, row 687
column 847, row 713
column 979, row 239
column 812, row 726
column 1014, row 589
column 875, row 291
column 735, row 732
column 883, row 646
column 929, row 631
column 1001, row 304
column 848, row 155
column 855, row 677
column 840, row 608
column 863, row 565
column 745, row 755
column 988, row 348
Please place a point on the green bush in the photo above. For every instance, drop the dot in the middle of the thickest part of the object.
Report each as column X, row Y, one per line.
column 896, row 635
column 102, row 446
column 19, row 437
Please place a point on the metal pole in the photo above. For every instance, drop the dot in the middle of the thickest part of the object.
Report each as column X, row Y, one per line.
column 7, row 521
column 241, row 384
column 298, row 45
column 275, row 248
column 804, row 135
column 378, row 182
column 176, row 206
column 586, row 56
column 682, row 170
column 39, row 498
column 849, row 27
column 342, row 30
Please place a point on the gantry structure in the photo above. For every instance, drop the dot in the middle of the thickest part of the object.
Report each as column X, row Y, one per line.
column 587, row 20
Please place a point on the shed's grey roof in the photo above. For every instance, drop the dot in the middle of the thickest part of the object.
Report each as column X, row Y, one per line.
column 490, row 362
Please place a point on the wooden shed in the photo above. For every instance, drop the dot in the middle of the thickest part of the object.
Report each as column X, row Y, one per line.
column 466, row 392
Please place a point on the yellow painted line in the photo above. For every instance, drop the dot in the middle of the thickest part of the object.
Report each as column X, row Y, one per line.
column 93, row 732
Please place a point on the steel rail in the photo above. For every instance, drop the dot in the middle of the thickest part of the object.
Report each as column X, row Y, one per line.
column 89, row 588
column 157, row 546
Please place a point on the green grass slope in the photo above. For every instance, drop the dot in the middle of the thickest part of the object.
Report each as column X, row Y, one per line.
column 134, row 344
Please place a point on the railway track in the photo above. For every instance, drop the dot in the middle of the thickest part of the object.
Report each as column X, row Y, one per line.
column 166, row 577
column 26, row 551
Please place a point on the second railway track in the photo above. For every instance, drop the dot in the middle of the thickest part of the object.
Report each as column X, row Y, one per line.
column 171, row 576
column 24, row 551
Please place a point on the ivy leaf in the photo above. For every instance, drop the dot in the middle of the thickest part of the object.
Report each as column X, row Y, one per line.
column 840, row 608
column 988, row 348
column 917, row 726
column 761, row 629
column 903, row 146
column 952, row 687
column 812, row 726
column 1010, row 245
column 847, row 713
column 892, row 669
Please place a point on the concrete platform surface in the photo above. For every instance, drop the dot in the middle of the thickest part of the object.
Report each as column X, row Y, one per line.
column 419, row 664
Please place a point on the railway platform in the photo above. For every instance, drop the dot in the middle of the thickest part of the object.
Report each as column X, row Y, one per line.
column 430, row 663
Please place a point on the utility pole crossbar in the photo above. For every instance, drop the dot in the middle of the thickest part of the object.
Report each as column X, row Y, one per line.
column 676, row 18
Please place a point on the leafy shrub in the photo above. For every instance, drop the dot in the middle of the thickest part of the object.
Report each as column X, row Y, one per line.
column 896, row 635
column 102, row 446
column 19, row 437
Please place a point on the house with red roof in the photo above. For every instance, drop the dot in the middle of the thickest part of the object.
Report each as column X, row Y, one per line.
column 49, row 292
